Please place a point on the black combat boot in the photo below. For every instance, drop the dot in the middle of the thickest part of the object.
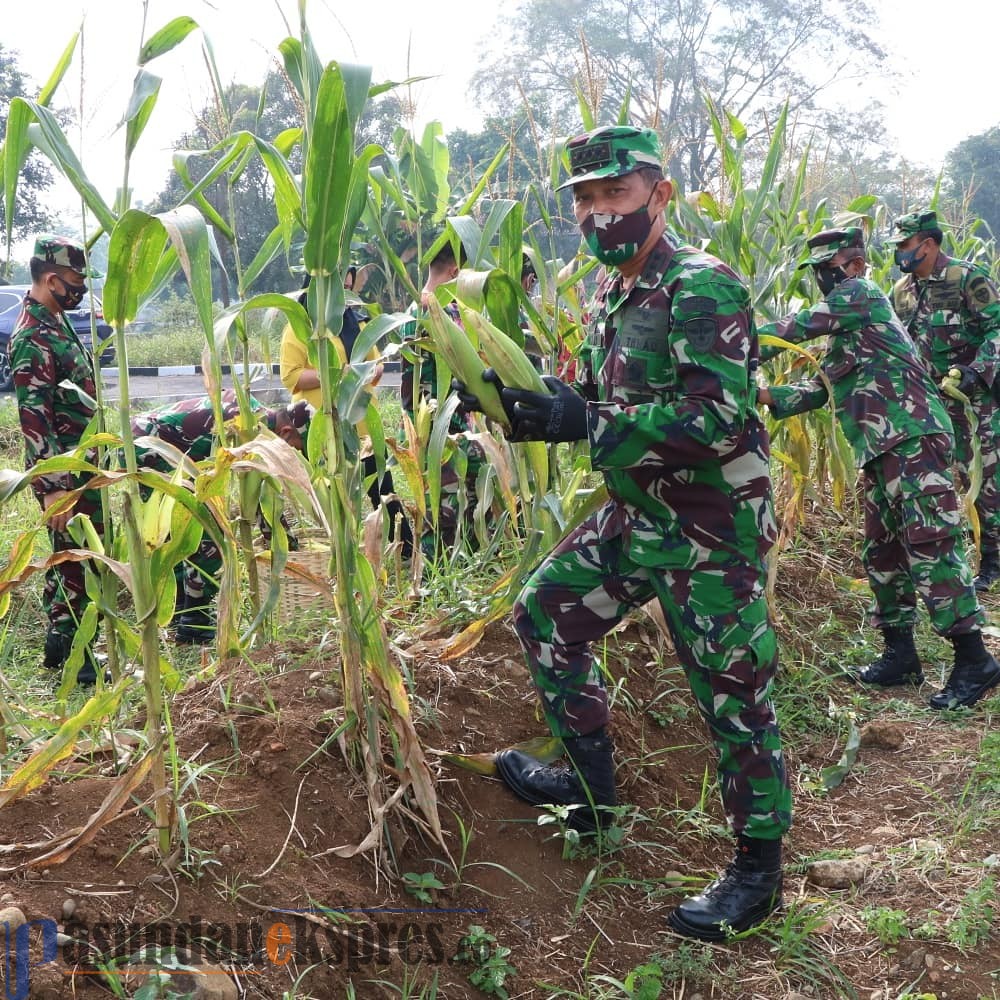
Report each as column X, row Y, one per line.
column 57, row 650
column 989, row 568
column 898, row 664
column 591, row 763
column 194, row 627
column 746, row 892
column 975, row 671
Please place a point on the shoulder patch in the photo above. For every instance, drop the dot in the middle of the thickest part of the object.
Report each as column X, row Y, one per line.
column 700, row 333
column 980, row 290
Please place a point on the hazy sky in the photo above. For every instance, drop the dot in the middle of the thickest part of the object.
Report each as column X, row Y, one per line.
column 928, row 110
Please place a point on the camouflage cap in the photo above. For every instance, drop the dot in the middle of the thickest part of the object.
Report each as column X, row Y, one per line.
column 61, row 251
column 611, row 151
column 827, row 244
column 909, row 225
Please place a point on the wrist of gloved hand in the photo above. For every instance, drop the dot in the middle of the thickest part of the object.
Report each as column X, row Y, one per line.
column 558, row 415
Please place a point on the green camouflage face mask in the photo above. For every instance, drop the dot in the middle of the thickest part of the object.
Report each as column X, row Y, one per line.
column 615, row 239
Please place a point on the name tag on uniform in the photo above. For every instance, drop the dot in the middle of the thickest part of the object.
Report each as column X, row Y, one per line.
column 643, row 330
column 944, row 298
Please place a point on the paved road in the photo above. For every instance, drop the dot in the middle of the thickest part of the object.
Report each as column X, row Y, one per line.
column 146, row 391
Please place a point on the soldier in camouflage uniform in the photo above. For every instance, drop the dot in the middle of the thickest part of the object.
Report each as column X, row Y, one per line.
column 952, row 311
column 896, row 424
column 666, row 402
column 54, row 386
column 189, row 426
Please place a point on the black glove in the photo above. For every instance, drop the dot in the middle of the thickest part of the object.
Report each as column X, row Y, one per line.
column 560, row 415
column 468, row 403
column 970, row 379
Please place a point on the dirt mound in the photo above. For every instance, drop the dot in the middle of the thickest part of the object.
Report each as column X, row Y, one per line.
column 256, row 888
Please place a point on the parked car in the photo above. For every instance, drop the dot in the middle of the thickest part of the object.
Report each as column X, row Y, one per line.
column 11, row 297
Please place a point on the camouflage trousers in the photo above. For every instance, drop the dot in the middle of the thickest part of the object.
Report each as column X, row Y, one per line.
column 459, row 499
column 719, row 624
column 914, row 540
column 64, row 595
column 988, row 434
column 197, row 576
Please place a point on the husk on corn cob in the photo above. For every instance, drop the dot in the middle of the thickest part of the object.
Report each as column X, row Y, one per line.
column 504, row 356
column 458, row 351
column 516, row 372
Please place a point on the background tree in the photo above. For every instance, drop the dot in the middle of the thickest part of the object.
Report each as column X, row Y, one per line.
column 250, row 189
column 36, row 177
column 849, row 156
column 747, row 56
column 973, row 172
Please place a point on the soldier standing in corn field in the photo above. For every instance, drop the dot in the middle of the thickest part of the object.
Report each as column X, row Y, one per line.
column 54, row 387
column 667, row 403
column 952, row 311
column 895, row 421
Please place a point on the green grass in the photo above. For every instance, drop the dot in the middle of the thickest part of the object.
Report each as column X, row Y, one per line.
column 184, row 346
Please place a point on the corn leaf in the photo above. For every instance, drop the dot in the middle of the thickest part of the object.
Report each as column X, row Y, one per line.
column 167, row 38
column 34, row 771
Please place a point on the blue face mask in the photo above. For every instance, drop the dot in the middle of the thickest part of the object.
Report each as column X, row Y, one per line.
column 906, row 260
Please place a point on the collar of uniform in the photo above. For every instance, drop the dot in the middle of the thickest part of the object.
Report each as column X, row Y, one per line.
column 650, row 276
column 940, row 265
column 657, row 262
column 45, row 314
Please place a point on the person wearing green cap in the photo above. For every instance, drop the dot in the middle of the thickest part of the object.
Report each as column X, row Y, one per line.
column 54, row 386
column 895, row 421
column 666, row 402
column 952, row 310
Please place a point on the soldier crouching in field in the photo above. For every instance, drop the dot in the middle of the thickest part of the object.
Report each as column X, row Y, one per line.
column 667, row 403
column 189, row 426
column 894, row 419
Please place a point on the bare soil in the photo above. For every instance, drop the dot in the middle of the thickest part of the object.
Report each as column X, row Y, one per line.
column 254, row 734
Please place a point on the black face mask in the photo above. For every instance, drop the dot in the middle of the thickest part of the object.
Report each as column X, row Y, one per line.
column 907, row 260
column 829, row 277
column 71, row 295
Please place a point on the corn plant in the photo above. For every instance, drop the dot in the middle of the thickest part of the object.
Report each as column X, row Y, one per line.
column 324, row 205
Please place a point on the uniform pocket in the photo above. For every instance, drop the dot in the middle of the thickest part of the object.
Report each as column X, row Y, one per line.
column 644, row 370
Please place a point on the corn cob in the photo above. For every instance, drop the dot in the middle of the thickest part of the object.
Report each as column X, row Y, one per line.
column 459, row 353
column 504, row 356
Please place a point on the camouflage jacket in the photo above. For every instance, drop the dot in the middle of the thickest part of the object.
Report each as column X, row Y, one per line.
column 49, row 365
column 189, row 425
column 882, row 391
column 953, row 315
column 674, row 427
